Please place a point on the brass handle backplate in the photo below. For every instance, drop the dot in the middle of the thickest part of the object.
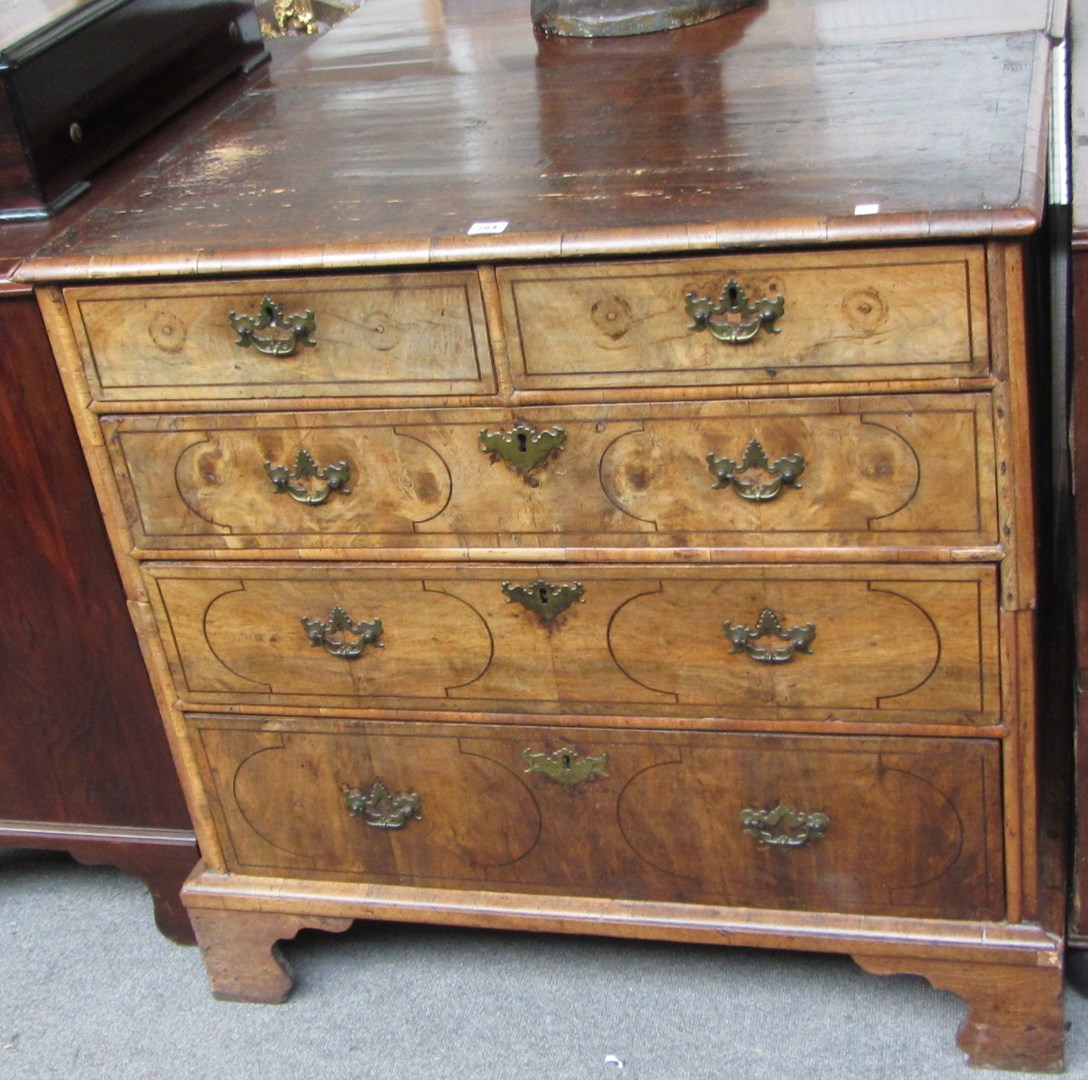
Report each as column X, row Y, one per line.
column 308, row 483
column 779, row 474
column 565, row 766
column 380, row 808
column 543, row 598
column 342, row 637
column 295, row 329
column 523, row 447
column 746, row 638
column 741, row 320
column 783, row 827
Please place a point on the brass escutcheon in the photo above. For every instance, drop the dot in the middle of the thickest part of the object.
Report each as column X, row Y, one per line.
column 308, row 483
column 783, row 472
column 270, row 315
column 543, row 598
column 380, row 808
column 783, row 827
column 742, row 320
column 342, row 637
column 745, row 639
column 565, row 766
column 523, row 447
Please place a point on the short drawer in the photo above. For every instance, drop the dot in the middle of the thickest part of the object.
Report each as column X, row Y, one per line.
column 879, row 644
column 893, row 471
column 381, row 335
column 878, row 826
column 849, row 316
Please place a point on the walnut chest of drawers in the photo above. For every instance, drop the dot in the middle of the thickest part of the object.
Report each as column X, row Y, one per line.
column 592, row 533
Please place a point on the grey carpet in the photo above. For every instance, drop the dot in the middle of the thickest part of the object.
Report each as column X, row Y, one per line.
column 91, row 990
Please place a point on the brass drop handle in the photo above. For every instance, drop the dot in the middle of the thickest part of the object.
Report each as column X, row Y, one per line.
column 746, row 639
column 308, row 483
column 543, row 598
column 783, row 827
column 565, row 766
column 741, row 320
column 295, row 329
column 523, row 447
column 380, row 808
column 340, row 636
column 738, row 475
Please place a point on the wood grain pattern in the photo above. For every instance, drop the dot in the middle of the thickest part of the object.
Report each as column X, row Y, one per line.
column 383, row 334
column 1078, row 915
column 1015, row 1020
column 243, row 961
column 894, row 644
column 83, row 764
column 667, row 816
column 879, row 471
column 1078, row 442
column 848, row 317
column 400, row 113
column 901, row 372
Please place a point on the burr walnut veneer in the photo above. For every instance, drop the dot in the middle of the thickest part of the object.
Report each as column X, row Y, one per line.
column 587, row 486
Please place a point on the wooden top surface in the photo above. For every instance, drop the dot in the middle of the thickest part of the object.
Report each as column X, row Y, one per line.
column 786, row 123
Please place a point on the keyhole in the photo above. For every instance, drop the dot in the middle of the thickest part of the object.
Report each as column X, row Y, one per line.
column 523, row 441
column 543, row 595
column 734, row 291
column 566, row 761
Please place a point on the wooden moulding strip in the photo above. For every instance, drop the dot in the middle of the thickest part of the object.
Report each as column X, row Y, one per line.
column 277, row 717
column 872, row 935
column 489, row 289
column 177, row 736
column 1021, row 898
column 1012, row 414
column 263, row 404
column 738, row 235
column 671, row 556
column 526, row 398
column 56, row 835
column 1026, row 745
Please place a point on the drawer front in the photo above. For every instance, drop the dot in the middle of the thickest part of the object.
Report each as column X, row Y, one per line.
column 851, row 316
column 382, row 335
column 891, row 471
column 819, row 644
column 878, row 825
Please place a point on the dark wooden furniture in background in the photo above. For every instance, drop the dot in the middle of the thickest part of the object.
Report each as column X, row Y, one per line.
column 84, row 766
column 1078, row 45
column 81, row 80
column 440, row 236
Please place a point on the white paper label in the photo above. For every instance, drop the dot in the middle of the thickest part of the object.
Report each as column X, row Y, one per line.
column 487, row 228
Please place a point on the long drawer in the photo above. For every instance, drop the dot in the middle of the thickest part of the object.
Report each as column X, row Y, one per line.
column 877, row 825
column 887, row 471
column 803, row 318
column 383, row 335
column 879, row 644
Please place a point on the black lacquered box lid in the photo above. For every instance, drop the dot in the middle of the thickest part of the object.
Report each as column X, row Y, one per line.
column 83, row 79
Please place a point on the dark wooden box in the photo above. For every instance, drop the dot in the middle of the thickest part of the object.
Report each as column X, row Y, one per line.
column 82, row 79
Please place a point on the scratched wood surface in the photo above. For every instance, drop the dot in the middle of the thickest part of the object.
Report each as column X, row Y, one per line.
column 886, row 645
column 783, row 123
column 666, row 812
column 873, row 471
